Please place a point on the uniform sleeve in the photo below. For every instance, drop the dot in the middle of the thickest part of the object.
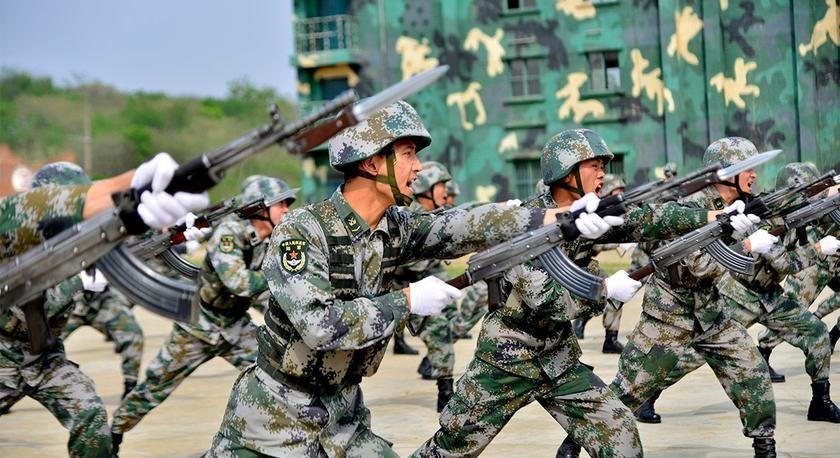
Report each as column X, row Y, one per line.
column 226, row 253
column 657, row 222
column 459, row 231
column 788, row 257
column 305, row 295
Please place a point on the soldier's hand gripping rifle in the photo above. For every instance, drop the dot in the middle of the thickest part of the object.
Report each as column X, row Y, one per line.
column 28, row 275
column 542, row 244
column 773, row 204
column 767, row 205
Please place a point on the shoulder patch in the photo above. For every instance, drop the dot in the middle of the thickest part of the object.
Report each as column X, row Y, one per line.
column 293, row 255
column 226, row 244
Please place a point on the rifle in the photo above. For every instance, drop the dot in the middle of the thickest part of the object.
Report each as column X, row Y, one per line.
column 29, row 274
column 773, row 204
column 490, row 265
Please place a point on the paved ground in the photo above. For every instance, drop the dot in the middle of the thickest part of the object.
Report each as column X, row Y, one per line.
column 699, row 421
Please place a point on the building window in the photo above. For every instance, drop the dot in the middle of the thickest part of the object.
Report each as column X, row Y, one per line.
column 524, row 77
column 604, row 71
column 332, row 87
column 527, row 174
column 616, row 165
column 521, row 4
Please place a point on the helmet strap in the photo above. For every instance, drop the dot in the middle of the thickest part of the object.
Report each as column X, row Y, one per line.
column 744, row 196
column 575, row 189
column 390, row 179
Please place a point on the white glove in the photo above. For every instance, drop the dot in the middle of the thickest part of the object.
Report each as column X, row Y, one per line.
column 161, row 209
column 513, row 203
column 829, row 245
column 193, row 233
column 158, row 170
column 430, row 295
column 620, row 286
column 623, row 248
column 591, row 225
column 761, row 241
column 192, row 246
column 740, row 222
column 95, row 282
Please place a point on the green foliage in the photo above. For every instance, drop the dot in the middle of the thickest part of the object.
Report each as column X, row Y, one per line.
column 39, row 121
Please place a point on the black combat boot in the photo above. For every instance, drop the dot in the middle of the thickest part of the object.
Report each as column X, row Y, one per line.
column 568, row 449
column 646, row 413
column 401, row 347
column 765, row 447
column 775, row 377
column 444, row 392
column 822, row 408
column 127, row 387
column 116, row 440
column 577, row 325
column 425, row 369
column 611, row 343
column 834, row 335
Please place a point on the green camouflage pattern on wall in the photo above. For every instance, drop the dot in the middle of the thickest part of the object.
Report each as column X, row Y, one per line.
column 690, row 71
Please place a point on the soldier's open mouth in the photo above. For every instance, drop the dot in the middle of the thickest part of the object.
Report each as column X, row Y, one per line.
column 598, row 189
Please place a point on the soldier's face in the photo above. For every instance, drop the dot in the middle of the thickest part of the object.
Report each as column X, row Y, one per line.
column 439, row 194
column 277, row 211
column 406, row 167
column 450, row 199
column 746, row 180
column 592, row 176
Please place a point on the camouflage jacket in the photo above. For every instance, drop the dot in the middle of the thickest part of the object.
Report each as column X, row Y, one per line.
column 763, row 289
column 687, row 292
column 332, row 311
column 807, row 284
column 230, row 280
column 532, row 334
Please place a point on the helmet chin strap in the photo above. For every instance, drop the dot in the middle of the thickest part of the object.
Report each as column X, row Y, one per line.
column 575, row 189
column 390, row 179
column 743, row 195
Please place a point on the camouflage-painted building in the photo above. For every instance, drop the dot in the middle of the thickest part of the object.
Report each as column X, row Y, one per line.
column 658, row 79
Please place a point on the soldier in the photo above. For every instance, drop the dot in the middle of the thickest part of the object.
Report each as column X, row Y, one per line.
column 229, row 283
column 452, row 192
column 49, row 377
column 679, row 312
column 98, row 306
column 526, row 349
column 613, row 184
column 332, row 312
column 759, row 298
column 429, row 189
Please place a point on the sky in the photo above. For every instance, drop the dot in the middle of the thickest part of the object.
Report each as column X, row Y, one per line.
column 179, row 47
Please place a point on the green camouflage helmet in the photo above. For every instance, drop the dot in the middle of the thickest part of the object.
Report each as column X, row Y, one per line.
column 271, row 190
column 611, row 183
column 452, row 188
column 431, row 174
column 369, row 137
column 60, row 173
column 795, row 174
column 569, row 148
column 729, row 150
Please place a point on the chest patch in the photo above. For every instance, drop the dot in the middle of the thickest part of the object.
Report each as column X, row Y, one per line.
column 226, row 244
column 293, row 256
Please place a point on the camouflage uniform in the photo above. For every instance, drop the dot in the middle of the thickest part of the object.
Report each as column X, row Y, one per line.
column 332, row 311
column 50, row 378
column 472, row 308
column 681, row 310
column 228, row 284
column 109, row 313
column 526, row 349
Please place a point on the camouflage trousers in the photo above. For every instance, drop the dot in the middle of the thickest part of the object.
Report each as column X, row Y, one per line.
column 70, row 395
column 654, row 348
column 110, row 314
column 770, row 339
column 440, row 350
column 486, row 398
column 472, row 308
column 180, row 356
column 266, row 417
column 790, row 321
